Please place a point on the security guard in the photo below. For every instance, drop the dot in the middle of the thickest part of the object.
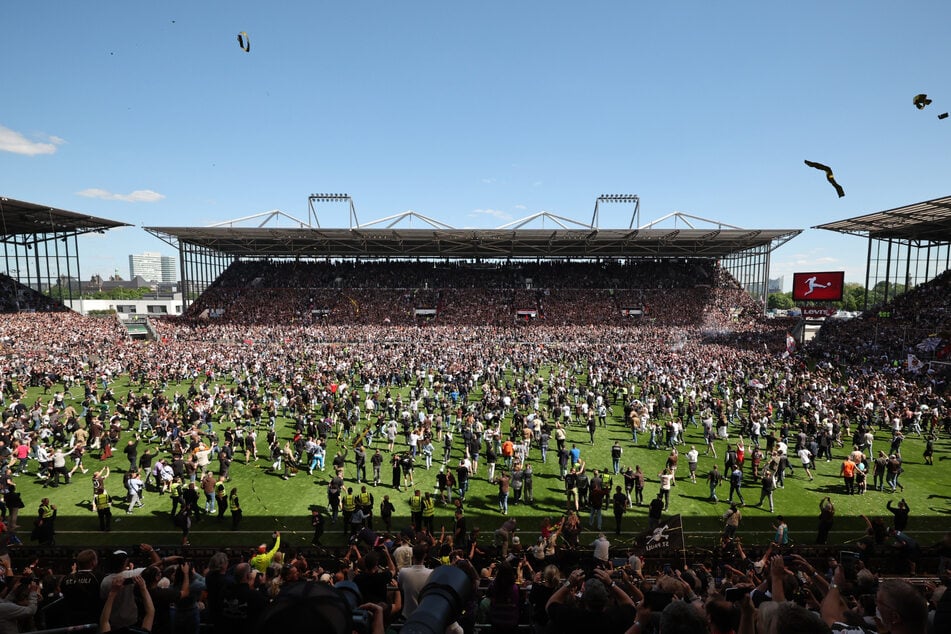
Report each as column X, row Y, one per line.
column 349, row 506
column 235, row 507
column 221, row 498
column 102, row 505
column 365, row 500
column 607, row 481
column 175, row 492
column 416, row 509
column 429, row 511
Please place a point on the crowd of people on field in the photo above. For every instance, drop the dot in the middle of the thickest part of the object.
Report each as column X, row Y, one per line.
column 345, row 386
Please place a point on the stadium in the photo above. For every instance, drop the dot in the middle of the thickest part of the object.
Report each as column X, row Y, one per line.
column 543, row 384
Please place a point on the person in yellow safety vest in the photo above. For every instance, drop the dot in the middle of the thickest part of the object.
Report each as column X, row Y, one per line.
column 349, row 503
column 221, row 498
column 45, row 530
column 175, row 492
column 416, row 509
column 365, row 500
column 102, row 505
column 235, row 507
column 429, row 511
column 607, row 481
column 263, row 558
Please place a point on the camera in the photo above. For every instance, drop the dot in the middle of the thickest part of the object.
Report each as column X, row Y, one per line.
column 314, row 606
column 360, row 619
column 441, row 601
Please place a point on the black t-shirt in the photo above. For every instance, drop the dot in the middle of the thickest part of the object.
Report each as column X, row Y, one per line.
column 373, row 585
column 620, row 503
column 241, row 609
column 81, row 596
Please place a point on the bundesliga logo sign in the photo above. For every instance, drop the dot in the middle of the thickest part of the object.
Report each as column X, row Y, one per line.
column 825, row 287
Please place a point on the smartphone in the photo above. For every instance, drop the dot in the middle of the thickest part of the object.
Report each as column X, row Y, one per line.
column 849, row 561
column 657, row 600
column 736, row 594
column 667, row 569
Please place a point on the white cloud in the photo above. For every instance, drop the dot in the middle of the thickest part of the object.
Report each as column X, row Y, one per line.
column 13, row 141
column 521, row 207
column 495, row 213
column 488, row 181
column 138, row 196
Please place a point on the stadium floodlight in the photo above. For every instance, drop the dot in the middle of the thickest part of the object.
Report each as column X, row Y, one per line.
column 617, row 198
column 331, row 198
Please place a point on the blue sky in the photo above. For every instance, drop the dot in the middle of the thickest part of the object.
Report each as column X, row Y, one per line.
column 475, row 113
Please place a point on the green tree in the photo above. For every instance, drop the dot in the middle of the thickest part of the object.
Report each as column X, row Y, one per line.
column 782, row 301
column 119, row 293
column 853, row 297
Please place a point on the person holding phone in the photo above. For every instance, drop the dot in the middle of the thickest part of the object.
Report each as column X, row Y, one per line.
column 595, row 610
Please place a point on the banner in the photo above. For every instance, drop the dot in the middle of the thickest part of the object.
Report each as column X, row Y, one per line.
column 914, row 364
column 790, row 343
column 818, row 311
column 632, row 312
column 667, row 540
column 824, row 286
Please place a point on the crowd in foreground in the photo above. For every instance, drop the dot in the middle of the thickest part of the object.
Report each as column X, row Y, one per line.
column 504, row 586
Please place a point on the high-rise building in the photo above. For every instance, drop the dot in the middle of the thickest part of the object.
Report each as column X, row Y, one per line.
column 152, row 267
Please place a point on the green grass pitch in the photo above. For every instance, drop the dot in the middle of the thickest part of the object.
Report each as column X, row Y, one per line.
column 270, row 503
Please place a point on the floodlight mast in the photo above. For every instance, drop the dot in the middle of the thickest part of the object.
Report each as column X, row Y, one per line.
column 330, row 198
column 618, row 198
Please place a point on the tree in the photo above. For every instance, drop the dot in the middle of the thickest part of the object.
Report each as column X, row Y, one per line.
column 781, row 301
column 853, row 297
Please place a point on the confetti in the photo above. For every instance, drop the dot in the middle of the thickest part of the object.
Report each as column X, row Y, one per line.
column 921, row 101
column 829, row 176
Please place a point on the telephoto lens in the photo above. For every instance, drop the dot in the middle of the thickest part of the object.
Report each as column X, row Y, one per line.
column 440, row 601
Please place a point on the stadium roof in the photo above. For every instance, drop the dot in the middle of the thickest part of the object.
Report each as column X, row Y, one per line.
column 925, row 221
column 19, row 218
column 453, row 243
